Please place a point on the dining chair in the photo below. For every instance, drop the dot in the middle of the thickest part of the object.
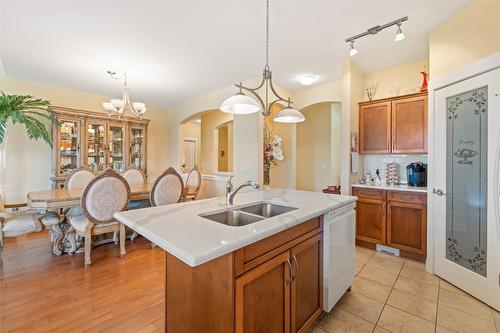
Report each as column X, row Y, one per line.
column 134, row 176
column 167, row 189
column 78, row 179
column 23, row 221
column 105, row 195
column 193, row 184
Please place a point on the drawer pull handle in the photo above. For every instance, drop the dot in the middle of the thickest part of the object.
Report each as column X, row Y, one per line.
column 291, row 271
column 297, row 267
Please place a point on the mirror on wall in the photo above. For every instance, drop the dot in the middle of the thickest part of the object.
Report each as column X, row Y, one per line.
column 206, row 140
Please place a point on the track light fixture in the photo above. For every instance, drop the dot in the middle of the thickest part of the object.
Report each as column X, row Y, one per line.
column 353, row 50
column 375, row 30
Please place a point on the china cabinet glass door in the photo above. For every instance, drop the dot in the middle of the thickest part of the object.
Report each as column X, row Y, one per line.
column 115, row 154
column 137, row 147
column 96, row 145
column 68, row 147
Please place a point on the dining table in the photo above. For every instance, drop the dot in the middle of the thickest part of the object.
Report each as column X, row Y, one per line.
column 59, row 200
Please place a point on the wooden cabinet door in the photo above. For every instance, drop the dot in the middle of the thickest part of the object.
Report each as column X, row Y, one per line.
column 375, row 128
column 263, row 297
column 409, row 125
column 307, row 284
column 407, row 227
column 370, row 220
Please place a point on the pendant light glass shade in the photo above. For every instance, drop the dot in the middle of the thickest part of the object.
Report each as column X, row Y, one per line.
column 289, row 115
column 240, row 104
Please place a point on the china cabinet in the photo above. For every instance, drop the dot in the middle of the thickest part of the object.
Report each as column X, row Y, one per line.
column 98, row 141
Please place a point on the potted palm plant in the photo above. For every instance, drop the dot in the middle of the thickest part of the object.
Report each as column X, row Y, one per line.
column 34, row 114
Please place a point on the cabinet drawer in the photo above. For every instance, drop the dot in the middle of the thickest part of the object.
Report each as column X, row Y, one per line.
column 409, row 197
column 254, row 254
column 369, row 193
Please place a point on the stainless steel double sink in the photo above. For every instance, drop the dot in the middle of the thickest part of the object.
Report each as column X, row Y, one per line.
column 249, row 214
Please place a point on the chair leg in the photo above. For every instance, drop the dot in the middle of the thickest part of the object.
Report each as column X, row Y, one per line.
column 153, row 245
column 88, row 245
column 134, row 235
column 122, row 240
column 115, row 237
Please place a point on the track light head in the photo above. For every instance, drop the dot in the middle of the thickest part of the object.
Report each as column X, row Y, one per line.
column 353, row 50
column 399, row 34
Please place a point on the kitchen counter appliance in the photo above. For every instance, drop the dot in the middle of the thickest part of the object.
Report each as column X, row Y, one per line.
column 417, row 174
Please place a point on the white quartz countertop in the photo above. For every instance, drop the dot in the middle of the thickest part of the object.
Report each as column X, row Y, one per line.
column 393, row 187
column 180, row 230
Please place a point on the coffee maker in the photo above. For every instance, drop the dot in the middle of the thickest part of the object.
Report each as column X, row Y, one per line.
column 417, row 174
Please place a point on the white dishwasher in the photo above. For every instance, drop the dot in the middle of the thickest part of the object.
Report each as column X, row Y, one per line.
column 338, row 254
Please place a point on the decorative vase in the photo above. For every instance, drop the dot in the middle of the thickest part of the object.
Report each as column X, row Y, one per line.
column 424, row 86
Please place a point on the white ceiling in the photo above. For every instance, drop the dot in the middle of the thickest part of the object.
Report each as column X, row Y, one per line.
column 177, row 50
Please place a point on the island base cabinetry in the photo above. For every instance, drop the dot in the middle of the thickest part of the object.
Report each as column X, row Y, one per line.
column 273, row 285
column 394, row 218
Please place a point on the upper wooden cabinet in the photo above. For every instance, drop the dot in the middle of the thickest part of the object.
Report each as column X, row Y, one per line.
column 375, row 128
column 96, row 140
column 394, row 125
column 409, row 125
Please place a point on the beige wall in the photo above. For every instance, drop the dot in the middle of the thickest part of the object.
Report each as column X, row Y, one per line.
column 470, row 35
column 353, row 87
column 29, row 162
column 210, row 121
column 406, row 78
column 314, row 150
column 326, row 92
column 283, row 172
column 190, row 130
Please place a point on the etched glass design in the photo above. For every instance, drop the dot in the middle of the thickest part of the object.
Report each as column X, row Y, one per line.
column 466, row 180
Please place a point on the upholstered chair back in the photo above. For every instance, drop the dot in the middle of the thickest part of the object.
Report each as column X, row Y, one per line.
column 134, row 176
column 193, row 181
column 80, row 178
column 105, row 195
column 167, row 189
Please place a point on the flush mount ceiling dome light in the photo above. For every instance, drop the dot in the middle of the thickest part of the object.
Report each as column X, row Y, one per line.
column 307, row 80
column 375, row 30
column 117, row 107
column 242, row 104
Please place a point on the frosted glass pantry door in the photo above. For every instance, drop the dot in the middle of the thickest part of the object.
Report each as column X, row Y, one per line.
column 465, row 216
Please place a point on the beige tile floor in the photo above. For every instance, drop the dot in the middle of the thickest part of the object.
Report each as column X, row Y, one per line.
column 392, row 294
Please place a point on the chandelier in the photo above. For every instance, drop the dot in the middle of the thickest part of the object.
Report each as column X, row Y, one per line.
column 243, row 104
column 117, row 107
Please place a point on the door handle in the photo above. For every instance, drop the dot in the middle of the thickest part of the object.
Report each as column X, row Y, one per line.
column 297, row 267
column 291, row 271
column 438, row 192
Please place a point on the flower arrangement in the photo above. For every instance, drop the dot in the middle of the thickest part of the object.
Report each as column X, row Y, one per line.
column 272, row 152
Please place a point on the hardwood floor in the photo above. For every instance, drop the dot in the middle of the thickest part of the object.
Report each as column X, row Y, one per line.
column 40, row 292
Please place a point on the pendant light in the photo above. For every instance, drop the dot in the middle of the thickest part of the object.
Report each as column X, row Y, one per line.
column 117, row 107
column 243, row 104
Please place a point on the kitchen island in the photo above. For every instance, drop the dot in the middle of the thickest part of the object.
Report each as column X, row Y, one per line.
column 257, row 268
